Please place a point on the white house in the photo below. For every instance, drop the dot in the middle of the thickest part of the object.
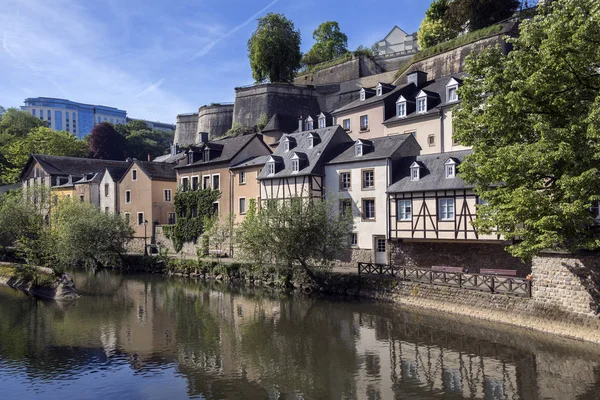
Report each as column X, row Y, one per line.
column 109, row 190
column 397, row 41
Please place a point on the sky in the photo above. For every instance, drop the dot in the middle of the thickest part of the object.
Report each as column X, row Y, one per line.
column 156, row 58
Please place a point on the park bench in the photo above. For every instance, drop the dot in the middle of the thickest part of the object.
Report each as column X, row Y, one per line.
column 445, row 268
column 501, row 272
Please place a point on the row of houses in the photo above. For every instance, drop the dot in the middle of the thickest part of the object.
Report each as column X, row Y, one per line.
column 388, row 157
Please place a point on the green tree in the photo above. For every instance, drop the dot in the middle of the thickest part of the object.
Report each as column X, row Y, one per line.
column 478, row 14
column 17, row 123
column 19, row 219
column 533, row 119
column 40, row 140
column 142, row 141
column 298, row 233
column 330, row 43
column 435, row 28
column 274, row 49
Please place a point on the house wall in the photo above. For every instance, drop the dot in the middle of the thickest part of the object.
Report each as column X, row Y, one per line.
column 209, row 170
column 449, row 144
column 376, row 116
column 160, row 207
column 35, row 175
column 250, row 190
column 293, row 186
column 425, row 224
column 110, row 200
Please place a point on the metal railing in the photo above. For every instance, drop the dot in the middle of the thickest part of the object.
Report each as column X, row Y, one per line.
column 484, row 283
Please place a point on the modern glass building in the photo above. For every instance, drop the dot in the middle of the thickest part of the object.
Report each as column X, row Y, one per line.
column 69, row 116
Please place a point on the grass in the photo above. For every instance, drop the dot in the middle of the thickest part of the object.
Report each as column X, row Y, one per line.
column 7, row 271
column 27, row 274
column 332, row 63
column 460, row 41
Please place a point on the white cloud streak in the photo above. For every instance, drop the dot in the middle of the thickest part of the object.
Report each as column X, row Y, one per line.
column 151, row 88
column 212, row 44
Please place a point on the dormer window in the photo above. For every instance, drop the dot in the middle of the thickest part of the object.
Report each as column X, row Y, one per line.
column 309, row 124
column 401, row 107
column 295, row 165
column 452, row 91
column 379, row 90
column 286, row 145
column 422, row 105
column 271, row 168
column 190, row 158
column 450, row 169
column 358, row 149
column 322, row 122
column 362, row 94
column 313, row 140
column 415, row 172
column 206, row 155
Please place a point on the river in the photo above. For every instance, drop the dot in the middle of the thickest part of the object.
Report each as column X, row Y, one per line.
column 153, row 337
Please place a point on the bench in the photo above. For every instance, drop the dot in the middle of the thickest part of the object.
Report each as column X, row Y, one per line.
column 445, row 268
column 501, row 272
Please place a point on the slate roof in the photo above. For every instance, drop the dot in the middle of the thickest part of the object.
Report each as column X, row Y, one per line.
column 436, row 93
column 158, row 171
column 378, row 148
column 116, row 173
column 59, row 165
column 433, row 173
column 367, row 101
column 330, row 139
column 281, row 123
column 168, row 158
column 228, row 147
column 252, row 162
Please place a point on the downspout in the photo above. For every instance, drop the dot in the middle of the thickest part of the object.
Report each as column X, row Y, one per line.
column 231, row 217
column 387, row 208
column 441, row 130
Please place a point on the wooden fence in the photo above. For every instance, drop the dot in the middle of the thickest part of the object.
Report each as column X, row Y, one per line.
column 484, row 283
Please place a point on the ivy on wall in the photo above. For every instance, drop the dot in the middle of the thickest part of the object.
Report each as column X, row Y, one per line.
column 192, row 208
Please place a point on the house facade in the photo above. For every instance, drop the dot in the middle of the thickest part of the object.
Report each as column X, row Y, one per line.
column 109, row 189
column 245, row 187
column 397, row 41
column 359, row 176
column 296, row 168
column 145, row 196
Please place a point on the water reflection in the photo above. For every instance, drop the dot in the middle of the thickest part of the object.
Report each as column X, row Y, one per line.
column 143, row 336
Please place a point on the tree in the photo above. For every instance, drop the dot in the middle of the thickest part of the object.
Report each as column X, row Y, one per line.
column 477, row 14
column 219, row 233
column 17, row 123
column 39, row 141
column 142, row 141
column 106, row 143
column 330, row 44
column 298, row 233
column 435, row 28
column 274, row 49
column 2, row 112
column 19, row 219
column 533, row 119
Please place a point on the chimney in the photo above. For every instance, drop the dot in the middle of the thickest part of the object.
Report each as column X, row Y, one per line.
column 129, row 159
column 203, row 137
column 300, row 124
column 419, row 78
column 149, row 157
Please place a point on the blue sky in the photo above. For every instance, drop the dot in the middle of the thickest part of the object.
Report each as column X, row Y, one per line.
column 157, row 58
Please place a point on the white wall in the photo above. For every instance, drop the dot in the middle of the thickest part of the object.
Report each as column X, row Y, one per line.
column 109, row 201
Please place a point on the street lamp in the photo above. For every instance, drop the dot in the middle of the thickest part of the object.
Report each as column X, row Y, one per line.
column 145, row 236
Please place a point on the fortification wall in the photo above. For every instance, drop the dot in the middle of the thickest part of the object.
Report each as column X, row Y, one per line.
column 185, row 129
column 215, row 119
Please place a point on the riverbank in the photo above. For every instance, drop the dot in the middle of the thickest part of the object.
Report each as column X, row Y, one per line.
column 38, row 281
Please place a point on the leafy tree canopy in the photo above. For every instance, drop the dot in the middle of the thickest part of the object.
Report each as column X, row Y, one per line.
column 533, row 119
column 18, row 219
column 106, row 143
column 18, row 123
column 435, row 28
column 477, row 14
column 141, row 140
column 331, row 43
column 274, row 49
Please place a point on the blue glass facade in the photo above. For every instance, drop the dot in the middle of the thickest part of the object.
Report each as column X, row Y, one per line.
column 83, row 116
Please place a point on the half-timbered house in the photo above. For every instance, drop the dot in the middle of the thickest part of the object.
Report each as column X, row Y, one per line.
column 296, row 168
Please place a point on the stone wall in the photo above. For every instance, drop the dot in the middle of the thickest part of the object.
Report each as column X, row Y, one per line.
column 472, row 256
column 350, row 258
column 215, row 119
column 338, row 73
column 185, row 129
column 165, row 243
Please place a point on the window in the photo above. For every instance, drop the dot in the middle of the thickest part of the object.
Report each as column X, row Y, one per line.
column 216, row 182
column 422, row 105
column 345, row 181
column 362, row 95
column 49, row 115
column 380, row 245
column 431, row 140
column 128, row 196
column 194, row 212
column 415, row 172
column 206, row 155
column 364, row 122
column 401, row 109
column 168, row 195
column 358, row 149
column 452, row 94
column 195, row 182
column 206, row 182
column 127, row 218
column 346, row 207
column 309, row 125
column 106, row 211
column 379, row 90
column 33, row 112
column 368, row 181
column 368, row 209
column 286, row 145
column 353, row 239
column 322, row 122
column 81, row 198
column 346, row 124
column 446, row 209
column 99, row 119
column 404, row 210
column 242, row 178
column 295, row 165
column 271, row 168
column 190, row 158
column 171, row 219
column 242, row 207
column 185, row 183
column 450, row 171
column 140, row 218
column 313, row 140
column 134, row 175
column 106, row 189
column 216, row 208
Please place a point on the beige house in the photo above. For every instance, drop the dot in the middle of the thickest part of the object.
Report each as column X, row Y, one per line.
column 207, row 165
column 145, row 196
column 245, row 186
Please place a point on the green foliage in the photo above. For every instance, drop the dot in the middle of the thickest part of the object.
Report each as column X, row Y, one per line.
column 238, row 129
column 471, row 15
column 141, row 140
column 533, row 119
column 19, row 219
column 192, row 209
column 17, row 123
column 330, row 44
column 263, row 120
column 435, row 28
column 219, row 233
column 40, row 140
column 308, row 233
column 274, row 49
column 460, row 41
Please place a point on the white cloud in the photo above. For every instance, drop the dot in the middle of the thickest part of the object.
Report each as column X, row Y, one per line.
column 151, row 88
column 212, row 44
